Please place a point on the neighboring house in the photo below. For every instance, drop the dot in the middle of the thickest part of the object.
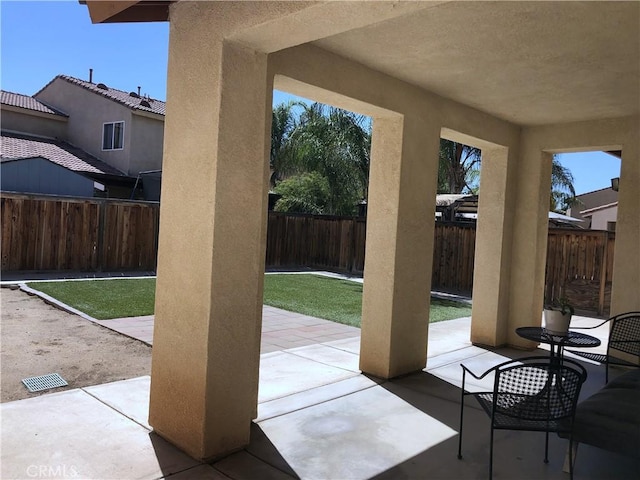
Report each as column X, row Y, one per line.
column 22, row 113
column 121, row 128
column 598, row 209
column 31, row 164
column 123, row 131
column 603, row 217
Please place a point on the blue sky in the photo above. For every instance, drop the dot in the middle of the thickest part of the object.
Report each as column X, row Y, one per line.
column 39, row 40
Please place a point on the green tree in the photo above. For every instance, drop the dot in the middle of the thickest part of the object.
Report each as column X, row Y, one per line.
column 283, row 123
column 563, row 194
column 459, row 172
column 332, row 142
column 458, row 168
column 304, row 193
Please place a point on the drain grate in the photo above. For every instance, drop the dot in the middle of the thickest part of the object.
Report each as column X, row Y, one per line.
column 44, row 382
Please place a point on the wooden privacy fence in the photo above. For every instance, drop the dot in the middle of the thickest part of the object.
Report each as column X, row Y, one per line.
column 338, row 243
column 58, row 233
column 42, row 233
column 580, row 268
column 454, row 249
column 316, row 241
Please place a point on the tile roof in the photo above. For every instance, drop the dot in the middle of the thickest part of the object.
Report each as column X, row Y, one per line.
column 27, row 102
column 130, row 100
column 16, row 147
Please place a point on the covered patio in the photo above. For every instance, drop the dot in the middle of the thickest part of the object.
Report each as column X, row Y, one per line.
column 318, row 417
column 520, row 80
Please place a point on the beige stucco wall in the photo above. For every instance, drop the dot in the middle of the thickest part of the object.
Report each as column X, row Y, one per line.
column 87, row 113
column 591, row 200
column 49, row 126
column 204, row 382
column 402, row 186
column 147, row 136
column 600, row 218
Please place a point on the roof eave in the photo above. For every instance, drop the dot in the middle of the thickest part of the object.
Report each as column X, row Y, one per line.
column 144, row 113
column 128, row 11
column 35, row 113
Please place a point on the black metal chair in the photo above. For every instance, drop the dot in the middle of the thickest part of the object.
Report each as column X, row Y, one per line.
column 624, row 336
column 530, row 394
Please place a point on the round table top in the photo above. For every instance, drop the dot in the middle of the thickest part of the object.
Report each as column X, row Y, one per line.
column 571, row 339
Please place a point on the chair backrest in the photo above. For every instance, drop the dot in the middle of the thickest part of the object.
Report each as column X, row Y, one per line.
column 538, row 388
column 624, row 335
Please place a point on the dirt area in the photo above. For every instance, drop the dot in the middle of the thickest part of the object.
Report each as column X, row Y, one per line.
column 37, row 339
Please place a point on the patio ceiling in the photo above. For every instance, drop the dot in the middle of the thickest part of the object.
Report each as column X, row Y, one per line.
column 526, row 62
column 530, row 63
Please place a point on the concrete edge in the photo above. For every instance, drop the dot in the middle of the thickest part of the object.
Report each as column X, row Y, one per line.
column 55, row 302
column 49, row 300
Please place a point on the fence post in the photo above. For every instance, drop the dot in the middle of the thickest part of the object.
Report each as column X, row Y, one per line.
column 100, row 239
column 352, row 249
column 603, row 272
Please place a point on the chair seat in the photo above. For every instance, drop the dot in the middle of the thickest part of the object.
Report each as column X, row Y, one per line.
column 524, row 415
column 624, row 337
column 602, row 358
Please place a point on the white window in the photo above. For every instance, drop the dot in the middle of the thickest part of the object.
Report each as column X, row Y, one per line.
column 113, row 136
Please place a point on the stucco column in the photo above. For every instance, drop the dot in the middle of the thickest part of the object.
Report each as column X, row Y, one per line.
column 532, row 180
column 399, row 257
column 625, row 290
column 204, row 380
column 494, row 235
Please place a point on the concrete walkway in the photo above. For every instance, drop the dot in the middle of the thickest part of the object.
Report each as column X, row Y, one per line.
column 281, row 329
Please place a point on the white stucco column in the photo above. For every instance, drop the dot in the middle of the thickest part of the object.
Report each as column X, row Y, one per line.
column 204, row 381
column 494, row 235
column 625, row 290
column 399, row 256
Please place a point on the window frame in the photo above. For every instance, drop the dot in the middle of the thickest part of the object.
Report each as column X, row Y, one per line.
column 113, row 135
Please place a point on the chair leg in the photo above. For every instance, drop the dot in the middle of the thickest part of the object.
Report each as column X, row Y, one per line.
column 546, row 446
column 572, row 452
column 491, row 455
column 461, row 416
column 570, row 457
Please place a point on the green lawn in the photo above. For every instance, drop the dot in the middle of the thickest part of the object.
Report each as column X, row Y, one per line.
column 104, row 299
column 315, row 295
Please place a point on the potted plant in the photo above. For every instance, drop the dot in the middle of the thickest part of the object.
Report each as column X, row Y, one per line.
column 557, row 315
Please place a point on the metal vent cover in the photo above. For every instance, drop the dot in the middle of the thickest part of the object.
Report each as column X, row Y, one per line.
column 44, row 382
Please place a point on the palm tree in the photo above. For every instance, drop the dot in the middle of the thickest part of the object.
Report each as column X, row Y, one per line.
column 459, row 172
column 563, row 194
column 283, row 123
column 335, row 144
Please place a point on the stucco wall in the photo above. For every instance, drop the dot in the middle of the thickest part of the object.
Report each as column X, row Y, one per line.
column 601, row 218
column 37, row 175
column 146, row 149
column 591, row 200
column 35, row 125
column 87, row 113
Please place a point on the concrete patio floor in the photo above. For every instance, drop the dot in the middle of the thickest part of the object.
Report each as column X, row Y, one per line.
column 318, row 418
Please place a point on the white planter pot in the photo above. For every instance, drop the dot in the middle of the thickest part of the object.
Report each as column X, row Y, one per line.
column 556, row 322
